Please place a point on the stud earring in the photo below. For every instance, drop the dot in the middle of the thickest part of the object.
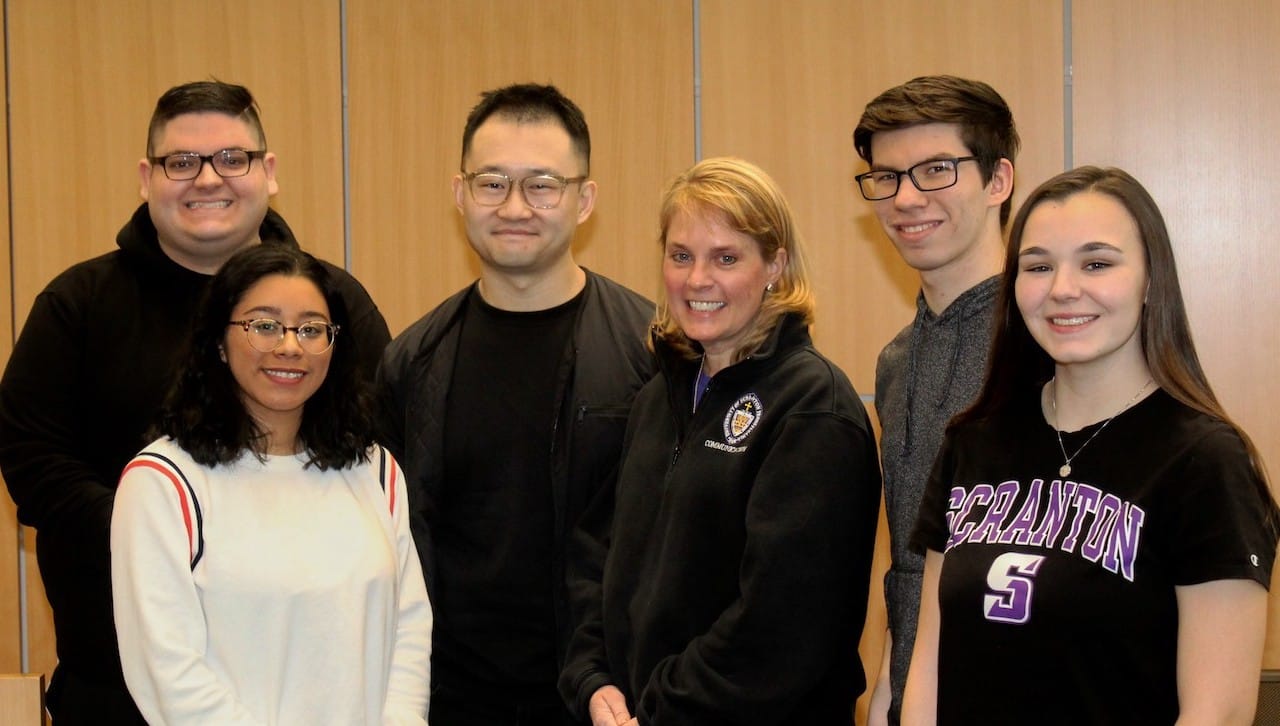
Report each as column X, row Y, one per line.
column 769, row 287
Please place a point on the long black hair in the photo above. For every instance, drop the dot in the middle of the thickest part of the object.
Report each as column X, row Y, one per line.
column 204, row 412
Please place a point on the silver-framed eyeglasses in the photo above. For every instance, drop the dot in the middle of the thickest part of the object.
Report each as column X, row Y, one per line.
column 541, row 191
column 267, row 334
column 187, row 165
column 928, row 176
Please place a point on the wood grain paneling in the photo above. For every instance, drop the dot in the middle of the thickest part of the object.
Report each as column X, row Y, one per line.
column 83, row 80
column 1190, row 112
column 10, row 610
column 783, row 84
column 416, row 70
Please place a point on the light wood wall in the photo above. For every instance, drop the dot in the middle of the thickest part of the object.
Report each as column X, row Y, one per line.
column 782, row 84
column 10, row 600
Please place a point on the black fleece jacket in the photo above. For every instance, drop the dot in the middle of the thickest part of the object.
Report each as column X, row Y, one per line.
column 86, row 377
column 736, row 581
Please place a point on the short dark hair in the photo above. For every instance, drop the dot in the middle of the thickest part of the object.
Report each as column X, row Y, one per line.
column 205, row 97
column 1018, row 364
column 985, row 121
column 204, row 412
column 531, row 103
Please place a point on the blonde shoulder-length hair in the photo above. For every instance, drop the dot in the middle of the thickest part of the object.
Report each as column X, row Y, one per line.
column 745, row 199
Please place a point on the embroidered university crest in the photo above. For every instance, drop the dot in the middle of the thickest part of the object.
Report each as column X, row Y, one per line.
column 743, row 416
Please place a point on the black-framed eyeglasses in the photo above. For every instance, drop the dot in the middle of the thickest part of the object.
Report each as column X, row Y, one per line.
column 928, row 176
column 267, row 334
column 541, row 191
column 228, row 163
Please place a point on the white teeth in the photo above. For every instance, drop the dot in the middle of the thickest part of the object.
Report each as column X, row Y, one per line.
column 1078, row 320
column 703, row 306
column 286, row 374
column 209, row 205
column 916, row 228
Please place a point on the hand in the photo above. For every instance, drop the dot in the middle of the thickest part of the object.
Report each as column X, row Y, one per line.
column 608, row 707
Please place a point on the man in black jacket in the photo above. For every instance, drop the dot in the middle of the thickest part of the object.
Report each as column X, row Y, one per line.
column 506, row 407
column 97, row 353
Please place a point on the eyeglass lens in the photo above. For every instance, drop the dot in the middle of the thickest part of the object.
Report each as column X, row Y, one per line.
column 540, row 192
column 226, row 163
column 265, row 335
column 928, row 176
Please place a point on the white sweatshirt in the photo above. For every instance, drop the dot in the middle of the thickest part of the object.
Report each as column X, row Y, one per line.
column 266, row 593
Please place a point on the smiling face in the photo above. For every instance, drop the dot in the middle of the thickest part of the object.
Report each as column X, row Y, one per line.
column 715, row 279
column 275, row 386
column 953, row 231
column 201, row 222
column 1081, row 281
column 514, row 238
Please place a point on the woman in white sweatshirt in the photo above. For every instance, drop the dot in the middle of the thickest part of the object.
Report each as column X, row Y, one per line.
column 262, row 566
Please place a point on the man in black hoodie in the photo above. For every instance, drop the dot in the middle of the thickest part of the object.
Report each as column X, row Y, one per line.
column 99, row 348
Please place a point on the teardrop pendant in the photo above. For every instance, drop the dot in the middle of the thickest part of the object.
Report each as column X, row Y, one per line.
column 1064, row 470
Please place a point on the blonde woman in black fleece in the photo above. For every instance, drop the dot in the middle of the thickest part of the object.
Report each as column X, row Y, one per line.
column 735, row 582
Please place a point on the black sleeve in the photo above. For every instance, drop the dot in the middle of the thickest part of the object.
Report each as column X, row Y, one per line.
column 57, row 491
column 1221, row 509
column 51, row 478
column 586, row 667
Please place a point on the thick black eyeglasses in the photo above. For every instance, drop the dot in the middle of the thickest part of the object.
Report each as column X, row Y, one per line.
column 228, row 163
column 542, row 191
column 928, row 176
column 267, row 334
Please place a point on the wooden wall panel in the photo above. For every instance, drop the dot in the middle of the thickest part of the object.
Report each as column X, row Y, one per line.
column 83, row 79
column 416, row 70
column 10, row 611
column 1190, row 113
column 783, row 85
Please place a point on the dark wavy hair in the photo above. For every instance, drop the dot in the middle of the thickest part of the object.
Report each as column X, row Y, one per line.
column 205, row 97
column 1017, row 363
column 985, row 121
column 204, row 412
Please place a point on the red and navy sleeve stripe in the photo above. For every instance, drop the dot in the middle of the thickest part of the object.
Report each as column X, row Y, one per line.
column 192, row 517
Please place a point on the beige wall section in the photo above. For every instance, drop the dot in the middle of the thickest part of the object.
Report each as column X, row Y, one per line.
column 83, row 79
column 10, row 613
column 1190, row 112
column 416, row 69
column 78, row 125
column 783, row 84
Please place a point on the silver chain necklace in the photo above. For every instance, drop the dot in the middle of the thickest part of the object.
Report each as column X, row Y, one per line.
column 1065, row 469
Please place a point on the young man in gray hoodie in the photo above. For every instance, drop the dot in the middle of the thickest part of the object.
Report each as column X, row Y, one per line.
column 941, row 152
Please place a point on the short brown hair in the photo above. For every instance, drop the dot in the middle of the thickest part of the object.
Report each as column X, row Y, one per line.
column 985, row 121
